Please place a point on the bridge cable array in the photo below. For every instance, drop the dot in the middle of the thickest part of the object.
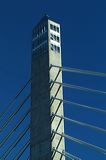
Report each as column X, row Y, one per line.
column 88, row 145
column 11, row 147
column 83, row 106
column 14, row 113
column 16, row 126
column 22, row 134
column 14, row 99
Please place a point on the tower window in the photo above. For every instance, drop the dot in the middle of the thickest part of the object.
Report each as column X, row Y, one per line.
column 52, row 47
column 55, row 48
column 51, row 26
column 58, row 49
column 57, row 39
column 54, row 28
column 51, row 36
column 58, row 29
column 54, row 37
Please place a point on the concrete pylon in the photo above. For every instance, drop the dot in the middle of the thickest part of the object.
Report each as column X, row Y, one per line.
column 46, row 51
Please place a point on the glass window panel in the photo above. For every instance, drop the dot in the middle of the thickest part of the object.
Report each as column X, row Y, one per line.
column 58, row 49
column 54, row 28
column 58, row 29
column 58, row 39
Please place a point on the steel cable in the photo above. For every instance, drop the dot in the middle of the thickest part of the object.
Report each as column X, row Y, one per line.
column 11, row 147
column 80, row 88
column 67, row 155
column 14, row 113
column 81, row 105
column 14, row 129
column 22, row 150
column 82, row 124
column 86, row 144
column 80, row 71
column 13, row 99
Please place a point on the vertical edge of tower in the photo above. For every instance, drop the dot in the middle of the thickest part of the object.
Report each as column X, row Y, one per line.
column 54, row 36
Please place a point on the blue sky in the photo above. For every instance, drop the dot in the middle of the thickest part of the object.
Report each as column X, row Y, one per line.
column 83, row 26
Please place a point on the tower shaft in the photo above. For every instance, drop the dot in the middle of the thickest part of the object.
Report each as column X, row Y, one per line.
column 46, row 51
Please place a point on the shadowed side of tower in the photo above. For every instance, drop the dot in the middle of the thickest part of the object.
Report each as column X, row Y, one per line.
column 46, row 51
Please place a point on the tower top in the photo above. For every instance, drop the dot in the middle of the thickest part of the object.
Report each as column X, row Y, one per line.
column 44, row 19
column 46, row 15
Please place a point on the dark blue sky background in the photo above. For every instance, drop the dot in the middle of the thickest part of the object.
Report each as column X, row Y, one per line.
column 83, row 25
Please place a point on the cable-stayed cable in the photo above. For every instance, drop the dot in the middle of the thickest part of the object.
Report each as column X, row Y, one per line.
column 67, row 155
column 80, row 71
column 22, row 150
column 86, row 144
column 81, row 105
column 80, row 88
column 28, row 158
column 11, row 147
column 82, row 124
column 13, row 99
column 14, row 129
column 14, row 113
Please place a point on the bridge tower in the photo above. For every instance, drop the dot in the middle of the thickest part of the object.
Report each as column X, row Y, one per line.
column 46, row 51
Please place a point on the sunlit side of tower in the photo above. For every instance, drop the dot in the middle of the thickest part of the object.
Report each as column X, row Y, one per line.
column 46, row 51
